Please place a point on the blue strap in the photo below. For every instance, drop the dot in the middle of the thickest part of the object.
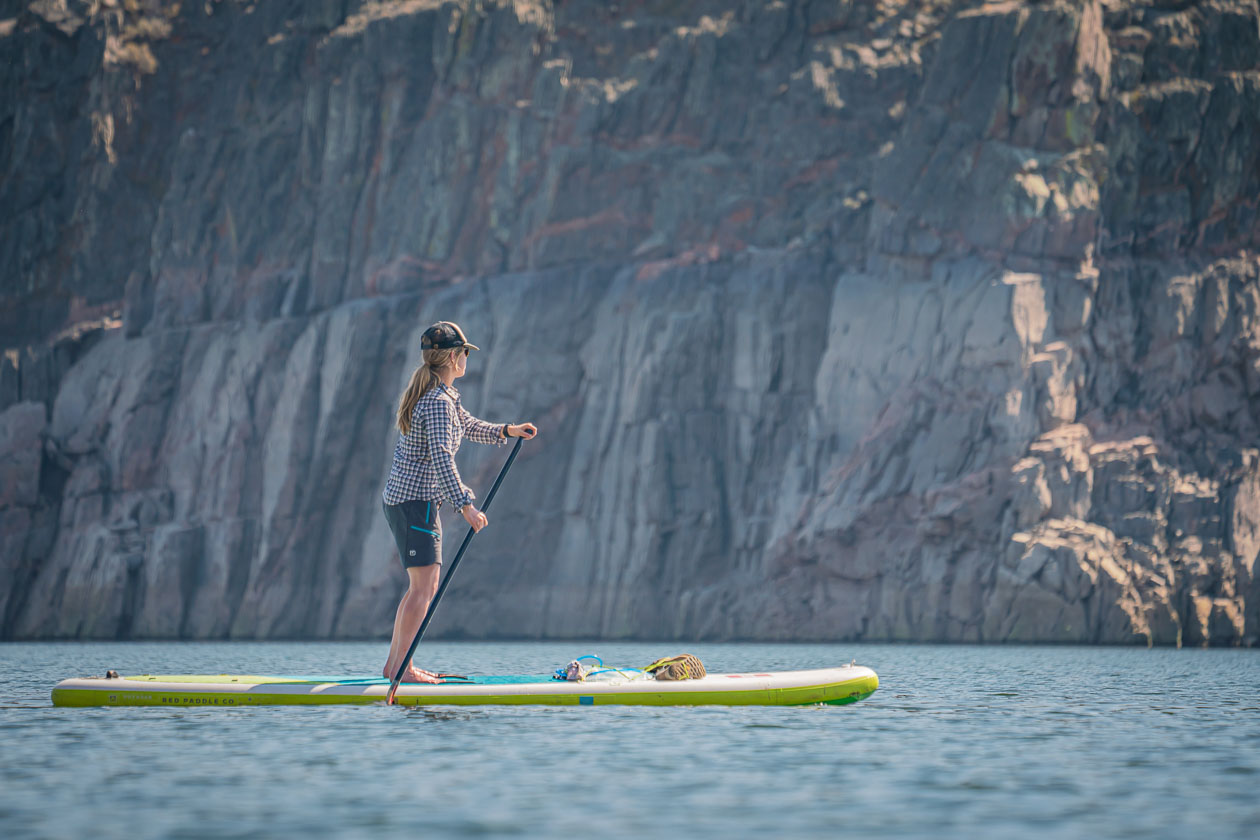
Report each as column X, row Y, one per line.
column 425, row 530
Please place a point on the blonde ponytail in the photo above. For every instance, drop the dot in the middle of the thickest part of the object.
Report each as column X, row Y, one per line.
column 423, row 378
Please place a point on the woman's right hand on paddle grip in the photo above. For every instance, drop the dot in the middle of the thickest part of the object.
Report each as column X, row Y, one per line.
column 475, row 518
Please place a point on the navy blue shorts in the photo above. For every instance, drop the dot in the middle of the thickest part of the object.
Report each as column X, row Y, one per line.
column 417, row 531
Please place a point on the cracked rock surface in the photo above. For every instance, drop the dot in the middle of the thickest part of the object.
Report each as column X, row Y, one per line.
column 902, row 320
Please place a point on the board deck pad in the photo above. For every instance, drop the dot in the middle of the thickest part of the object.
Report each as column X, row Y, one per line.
column 229, row 679
column 834, row 686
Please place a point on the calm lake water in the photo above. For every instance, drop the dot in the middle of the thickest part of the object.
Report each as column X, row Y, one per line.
column 959, row 741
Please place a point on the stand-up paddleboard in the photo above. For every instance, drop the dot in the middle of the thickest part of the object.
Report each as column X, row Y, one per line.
column 835, row 686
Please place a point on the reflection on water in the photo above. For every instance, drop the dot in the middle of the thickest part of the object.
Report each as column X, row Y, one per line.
column 439, row 713
column 958, row 741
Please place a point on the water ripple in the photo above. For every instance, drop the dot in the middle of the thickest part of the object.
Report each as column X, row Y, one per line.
column 1050, row 742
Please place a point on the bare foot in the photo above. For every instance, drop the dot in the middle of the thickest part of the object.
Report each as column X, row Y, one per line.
column 414, row 675
column 417, row 675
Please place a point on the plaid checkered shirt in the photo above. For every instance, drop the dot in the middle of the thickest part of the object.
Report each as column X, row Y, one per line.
column 424, row 458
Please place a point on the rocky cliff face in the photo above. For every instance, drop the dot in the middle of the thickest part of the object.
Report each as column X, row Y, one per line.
column 909, row 320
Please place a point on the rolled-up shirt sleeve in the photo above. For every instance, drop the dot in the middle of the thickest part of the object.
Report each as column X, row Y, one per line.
column 479, row 431
column 439, row 416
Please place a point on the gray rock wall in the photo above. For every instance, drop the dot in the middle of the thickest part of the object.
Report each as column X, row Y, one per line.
column 912, row 321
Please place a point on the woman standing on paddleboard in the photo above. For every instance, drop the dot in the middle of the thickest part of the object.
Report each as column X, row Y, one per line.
column 432, row 423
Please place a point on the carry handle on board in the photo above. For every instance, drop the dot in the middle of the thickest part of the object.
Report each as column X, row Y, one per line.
column 428, row 616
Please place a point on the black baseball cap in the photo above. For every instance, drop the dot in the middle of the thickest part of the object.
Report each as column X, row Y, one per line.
column 444, row 335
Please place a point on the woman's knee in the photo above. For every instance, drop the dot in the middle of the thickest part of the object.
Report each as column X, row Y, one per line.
column 422, row 581
column 421, row 593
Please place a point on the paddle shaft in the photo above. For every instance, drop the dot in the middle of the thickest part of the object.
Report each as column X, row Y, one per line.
column 446, row 581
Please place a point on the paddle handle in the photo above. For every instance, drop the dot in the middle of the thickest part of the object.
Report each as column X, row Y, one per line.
column 446, row 581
